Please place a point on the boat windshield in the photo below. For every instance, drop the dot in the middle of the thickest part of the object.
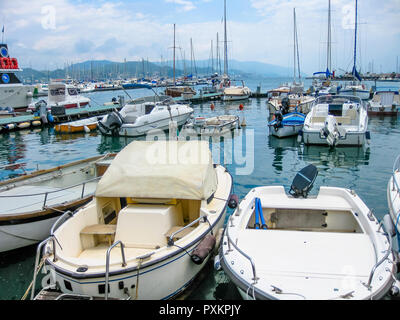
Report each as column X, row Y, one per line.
column 57, row 92
column 72, row 92
column 337, row 100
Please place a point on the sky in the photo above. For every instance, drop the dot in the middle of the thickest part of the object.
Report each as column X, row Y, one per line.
column 46, row 34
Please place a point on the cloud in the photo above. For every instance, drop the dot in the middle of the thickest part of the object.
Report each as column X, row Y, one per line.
column 134, row 30
column 186, row 5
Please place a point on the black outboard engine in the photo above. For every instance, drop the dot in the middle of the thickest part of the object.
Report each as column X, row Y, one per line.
column 111, row 123
column 278, row 120
column 285, row 105
column 303, row 182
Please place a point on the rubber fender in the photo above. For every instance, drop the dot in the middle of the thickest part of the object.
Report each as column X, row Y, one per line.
column 202, row 251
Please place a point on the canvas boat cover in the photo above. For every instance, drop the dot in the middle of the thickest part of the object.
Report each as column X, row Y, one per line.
column 161, row 170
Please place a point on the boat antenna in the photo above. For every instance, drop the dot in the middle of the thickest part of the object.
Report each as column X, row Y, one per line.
column 2, row 34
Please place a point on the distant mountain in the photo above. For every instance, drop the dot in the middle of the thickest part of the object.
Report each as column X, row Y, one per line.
column 105, row 69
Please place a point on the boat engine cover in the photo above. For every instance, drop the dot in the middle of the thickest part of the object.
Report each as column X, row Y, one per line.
column 304, row 181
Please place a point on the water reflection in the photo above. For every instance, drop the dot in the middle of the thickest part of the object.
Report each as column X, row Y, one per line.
column 337, row 157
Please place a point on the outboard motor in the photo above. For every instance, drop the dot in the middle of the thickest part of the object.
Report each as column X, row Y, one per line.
column 285, row 106
column 111, row 123
column 278, row 120
column 304, row 182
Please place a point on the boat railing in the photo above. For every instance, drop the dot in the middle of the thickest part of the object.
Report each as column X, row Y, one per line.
column 46, row 194
column 231, row 242
column 108, row 264
column 396, row 169
column 385, row 257
column 38, row 254
column 172, row 236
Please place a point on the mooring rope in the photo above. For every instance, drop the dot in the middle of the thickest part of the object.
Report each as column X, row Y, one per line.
column 36, row 273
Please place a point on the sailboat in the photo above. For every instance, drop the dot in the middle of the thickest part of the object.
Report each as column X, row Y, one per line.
column 236, row 92
column 326, row 87
column 356, row 88
column 291, row 95
column 179, row 91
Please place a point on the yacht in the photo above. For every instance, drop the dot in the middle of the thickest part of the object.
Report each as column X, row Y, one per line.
column 296, row 246
column 336, row 120
column 13, row 93
column 62, row 95
column 384, row 103
column 142, row 115
column 237, row 92
column 150, row 229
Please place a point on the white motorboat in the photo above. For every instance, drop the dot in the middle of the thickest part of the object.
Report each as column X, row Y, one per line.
column 62, row 95
column 384, row 103
column 211, row 126
column 13, row 94
column 356, row 89
column 298, row 247
column 31, row 204
column 393, row 195
column 336, row 120
column 142, row 115
column 235, row 93
column 157, row 205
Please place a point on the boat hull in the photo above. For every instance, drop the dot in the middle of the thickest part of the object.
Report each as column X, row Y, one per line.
column 235, row 97
column 132, row 130
column 351, row 139
column 16, row 96
column 285, row 131
column 394, row 201
column 163, row 280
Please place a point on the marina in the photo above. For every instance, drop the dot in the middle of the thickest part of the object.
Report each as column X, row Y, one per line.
column 201, row 180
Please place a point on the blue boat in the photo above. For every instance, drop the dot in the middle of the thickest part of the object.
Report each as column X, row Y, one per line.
column 286, row 125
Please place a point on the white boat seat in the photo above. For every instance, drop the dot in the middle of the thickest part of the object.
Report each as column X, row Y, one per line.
column 107, row 230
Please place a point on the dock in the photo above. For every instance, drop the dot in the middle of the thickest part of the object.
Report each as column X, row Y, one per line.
column 31, row 121
column 201, row 97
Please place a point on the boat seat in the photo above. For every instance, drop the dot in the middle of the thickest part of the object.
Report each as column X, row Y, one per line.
column 352, row 114
column 318, row 119
column 343, row 120
column 91, row 235
column 145, row 225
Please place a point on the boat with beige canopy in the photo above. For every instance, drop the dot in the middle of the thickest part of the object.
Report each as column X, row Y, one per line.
column 150, row 228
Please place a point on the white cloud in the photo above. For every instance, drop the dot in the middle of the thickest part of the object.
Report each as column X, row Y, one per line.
column 84, row 30
column 186, row 5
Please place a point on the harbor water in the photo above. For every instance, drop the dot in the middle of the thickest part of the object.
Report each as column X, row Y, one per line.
column 262, row 161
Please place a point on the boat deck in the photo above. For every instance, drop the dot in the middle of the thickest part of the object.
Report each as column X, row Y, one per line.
column 307, row 258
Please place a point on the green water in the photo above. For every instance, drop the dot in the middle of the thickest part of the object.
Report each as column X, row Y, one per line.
column 365, row 170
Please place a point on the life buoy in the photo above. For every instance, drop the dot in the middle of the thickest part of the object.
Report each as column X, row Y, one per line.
column 14, row 63
column 5, row 63
column 2, row 63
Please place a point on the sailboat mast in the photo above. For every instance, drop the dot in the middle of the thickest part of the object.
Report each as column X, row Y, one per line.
column 294, row 45
column 329, row 49
column 225, row 43
column 174, row 55
column 355, row 36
